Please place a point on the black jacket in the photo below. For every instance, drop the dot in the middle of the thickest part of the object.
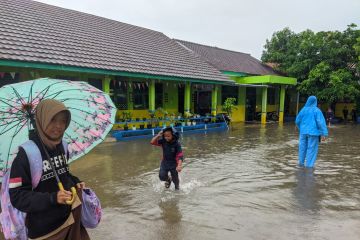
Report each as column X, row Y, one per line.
column 44, row 214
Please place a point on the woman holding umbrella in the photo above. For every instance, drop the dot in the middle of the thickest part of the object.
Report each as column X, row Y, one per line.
column 51, row 213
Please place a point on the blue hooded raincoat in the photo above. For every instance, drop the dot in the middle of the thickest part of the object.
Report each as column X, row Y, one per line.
column 311, row 124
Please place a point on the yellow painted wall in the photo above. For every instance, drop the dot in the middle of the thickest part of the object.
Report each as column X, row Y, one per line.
column 238, row 114
column 271, row 108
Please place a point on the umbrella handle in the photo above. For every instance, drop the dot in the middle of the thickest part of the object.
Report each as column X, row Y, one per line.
column 73, row 191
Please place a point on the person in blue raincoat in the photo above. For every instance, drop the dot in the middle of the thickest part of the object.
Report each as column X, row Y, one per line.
column 312, row 126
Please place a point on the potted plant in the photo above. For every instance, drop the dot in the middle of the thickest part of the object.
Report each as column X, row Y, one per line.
column 177, row 123
column 152, row 120
column 207, row 118
column 187, row 116
column 172, row 119
column 229, row 106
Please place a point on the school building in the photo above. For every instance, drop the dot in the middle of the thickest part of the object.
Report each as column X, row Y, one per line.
column 141, row 69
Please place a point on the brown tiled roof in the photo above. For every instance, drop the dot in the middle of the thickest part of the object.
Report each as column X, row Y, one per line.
column 226, row 60
column 38, row 32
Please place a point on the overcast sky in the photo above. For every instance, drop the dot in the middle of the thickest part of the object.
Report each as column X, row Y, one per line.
column 237, row 25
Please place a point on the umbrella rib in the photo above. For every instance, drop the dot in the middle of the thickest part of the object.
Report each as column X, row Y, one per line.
column 31, row 91
column 55, row 94
column 88, row 113
column 99, row 125
column 3, row 101
column 16, row 132
column 8, row 125
column 17, row 119
column 18, row 95
column 18, row 113
column 73, row 141
column 88, row 101
column 7, row 99
column 45, row 90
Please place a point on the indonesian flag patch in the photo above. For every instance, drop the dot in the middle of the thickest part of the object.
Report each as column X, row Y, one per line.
column 15, row 182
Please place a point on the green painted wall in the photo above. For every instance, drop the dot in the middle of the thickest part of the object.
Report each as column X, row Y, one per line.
column 170, row 98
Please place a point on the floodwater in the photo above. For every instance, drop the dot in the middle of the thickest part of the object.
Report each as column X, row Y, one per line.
column 239, row 184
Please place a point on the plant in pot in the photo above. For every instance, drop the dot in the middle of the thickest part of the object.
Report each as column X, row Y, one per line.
column 207, row 118
column 152, row 119
column 172, row 119
column 183, row 123
column 127, row 116
column 187, row 116
column 119, row 118
column 229, row 106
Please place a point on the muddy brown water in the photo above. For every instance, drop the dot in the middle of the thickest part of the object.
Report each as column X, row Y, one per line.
column 238, row 184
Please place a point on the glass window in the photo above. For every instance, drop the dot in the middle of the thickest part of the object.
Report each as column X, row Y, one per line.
column 158, row 95
column 140, row 95
column 229, row 92
column 118, row 93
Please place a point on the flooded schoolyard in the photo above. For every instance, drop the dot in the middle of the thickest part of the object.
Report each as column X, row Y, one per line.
column 238, row 184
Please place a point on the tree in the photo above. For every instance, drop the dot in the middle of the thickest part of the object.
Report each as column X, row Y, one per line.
column 324, row 63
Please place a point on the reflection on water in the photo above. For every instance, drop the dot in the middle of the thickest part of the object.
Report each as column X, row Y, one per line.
column 307, row 191
column 239, row 184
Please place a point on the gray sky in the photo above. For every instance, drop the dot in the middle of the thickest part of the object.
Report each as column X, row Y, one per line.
column 231, row 24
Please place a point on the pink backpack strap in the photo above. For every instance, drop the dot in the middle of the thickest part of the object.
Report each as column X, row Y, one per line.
column 65, row 145
column 35, row 159
column 36, row 164
column 11, row 219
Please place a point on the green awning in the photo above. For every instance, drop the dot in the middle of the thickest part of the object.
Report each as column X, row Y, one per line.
column 267, row 79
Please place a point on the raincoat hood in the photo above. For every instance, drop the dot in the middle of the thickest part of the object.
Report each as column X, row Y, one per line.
column 311, row 102
column 310, row 119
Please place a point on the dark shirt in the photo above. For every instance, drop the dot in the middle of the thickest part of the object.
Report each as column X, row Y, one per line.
column 44, row 214
column 172, row 153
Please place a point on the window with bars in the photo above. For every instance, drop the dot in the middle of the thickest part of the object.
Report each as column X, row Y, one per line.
column 118, row 94
column 140, row 96
column 159, row 95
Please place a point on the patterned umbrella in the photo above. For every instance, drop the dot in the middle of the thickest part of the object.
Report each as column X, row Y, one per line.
column 92, row 115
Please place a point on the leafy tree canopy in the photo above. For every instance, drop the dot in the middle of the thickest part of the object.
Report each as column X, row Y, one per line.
column 326, row 64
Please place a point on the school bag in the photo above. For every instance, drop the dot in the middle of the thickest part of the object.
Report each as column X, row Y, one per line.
column 12, row 220
column 90, row 209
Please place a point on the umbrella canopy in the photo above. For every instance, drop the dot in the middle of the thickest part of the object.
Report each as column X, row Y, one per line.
column 92, row 115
